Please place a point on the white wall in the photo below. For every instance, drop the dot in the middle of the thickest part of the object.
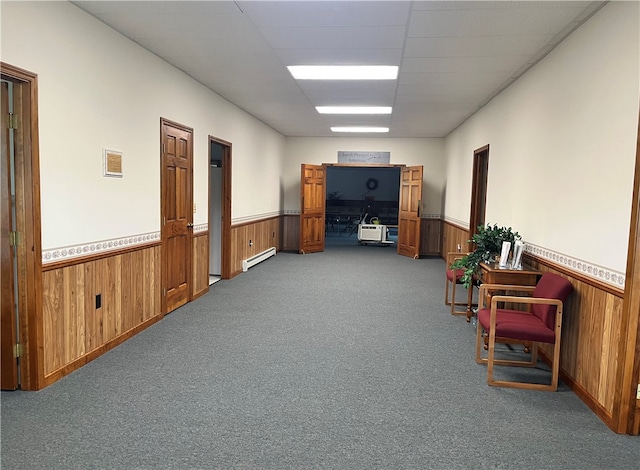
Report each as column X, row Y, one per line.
column 426, row 152
column 98, row 89
column 562, row 145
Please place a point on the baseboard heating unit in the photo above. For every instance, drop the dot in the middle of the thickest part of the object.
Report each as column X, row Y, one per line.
column 260, row 257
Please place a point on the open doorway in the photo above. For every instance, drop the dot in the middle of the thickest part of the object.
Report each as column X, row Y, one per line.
column 354, row 193
column 215, row 211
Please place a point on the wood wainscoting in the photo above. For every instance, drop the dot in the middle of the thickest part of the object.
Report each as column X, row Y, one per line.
column 291, row 232
column 452, row 236
column 430, row 237
column 251, row 238
column 199, row 264
column 91, row 305
column 591, row 333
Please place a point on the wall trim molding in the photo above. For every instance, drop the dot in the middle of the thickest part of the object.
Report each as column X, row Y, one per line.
column 457, row 223
column 255, row 218
column 590, row 270
column 103, row 246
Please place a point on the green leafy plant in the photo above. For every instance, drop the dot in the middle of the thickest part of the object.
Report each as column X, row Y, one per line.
column 488, row 241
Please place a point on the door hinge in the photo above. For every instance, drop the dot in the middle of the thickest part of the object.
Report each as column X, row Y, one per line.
column 18, row 350
column 12, row 122
column 164, row 292
column 638, row 393
column 14, row 238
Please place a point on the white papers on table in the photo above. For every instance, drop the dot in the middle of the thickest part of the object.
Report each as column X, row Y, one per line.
column 504, row 256
column 518, row 248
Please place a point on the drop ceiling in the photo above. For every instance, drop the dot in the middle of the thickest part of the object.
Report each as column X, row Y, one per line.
column 453, row 57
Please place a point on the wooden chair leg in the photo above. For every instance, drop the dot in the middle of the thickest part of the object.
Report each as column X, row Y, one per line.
column 446, row 292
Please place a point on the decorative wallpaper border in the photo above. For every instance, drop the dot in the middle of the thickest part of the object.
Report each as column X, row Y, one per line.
column 75, row 251
column 608, row 276
column 200, row 228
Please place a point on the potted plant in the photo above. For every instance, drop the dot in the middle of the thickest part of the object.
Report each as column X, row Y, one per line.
column 488, row 242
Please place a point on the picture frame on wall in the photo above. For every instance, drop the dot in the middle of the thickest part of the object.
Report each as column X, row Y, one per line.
column 112, row 163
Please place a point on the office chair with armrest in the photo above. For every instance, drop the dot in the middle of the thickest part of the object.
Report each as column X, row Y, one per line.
column 541, row 323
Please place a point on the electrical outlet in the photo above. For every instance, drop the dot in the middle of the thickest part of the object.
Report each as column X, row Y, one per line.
column 250, row 243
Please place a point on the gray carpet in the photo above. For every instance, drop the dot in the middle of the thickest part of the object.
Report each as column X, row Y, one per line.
column 346, row 359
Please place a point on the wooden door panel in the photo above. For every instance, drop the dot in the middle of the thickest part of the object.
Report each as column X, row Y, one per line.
column 409, row 213
column 313, row 230
column 312, row 208
column 177, row 200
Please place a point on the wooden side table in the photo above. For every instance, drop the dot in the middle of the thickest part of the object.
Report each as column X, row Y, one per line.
column 492, row 273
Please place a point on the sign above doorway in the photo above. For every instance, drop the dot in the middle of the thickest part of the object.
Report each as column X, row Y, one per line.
column 364, row 157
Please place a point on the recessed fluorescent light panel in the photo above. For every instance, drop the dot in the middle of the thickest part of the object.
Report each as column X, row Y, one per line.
column 354, row 109
column 359, row 129
column 344, row 72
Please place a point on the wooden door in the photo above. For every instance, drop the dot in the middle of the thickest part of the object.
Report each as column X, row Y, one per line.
column 409, row 211
column 9, row 379
column 312, row 204
column 177, row 214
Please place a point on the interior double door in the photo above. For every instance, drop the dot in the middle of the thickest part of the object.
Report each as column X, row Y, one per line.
column 313, row 202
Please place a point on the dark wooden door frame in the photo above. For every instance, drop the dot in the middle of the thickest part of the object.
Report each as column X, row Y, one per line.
column 29, row 251
column 225, row 267
column 8, row 320
column 626, row 404
column 479, row 189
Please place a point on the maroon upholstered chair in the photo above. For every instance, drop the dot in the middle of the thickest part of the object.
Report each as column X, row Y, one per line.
column 541, row 323
column 453, row 278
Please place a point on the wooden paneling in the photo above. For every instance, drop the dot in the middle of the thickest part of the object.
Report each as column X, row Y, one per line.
column 200, row 264
column 129, row 288
column 430, row 237
column 249, row 239
column 291, row 232
column 591, row 332
column 452, row 236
